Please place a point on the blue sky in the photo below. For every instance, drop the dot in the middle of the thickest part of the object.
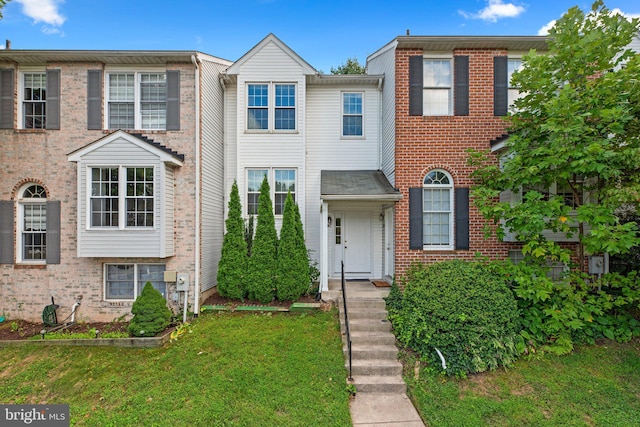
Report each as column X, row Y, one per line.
column 325, row 33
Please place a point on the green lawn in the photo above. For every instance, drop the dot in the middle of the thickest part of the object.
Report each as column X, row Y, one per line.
column 232, row 370
column 593, row 386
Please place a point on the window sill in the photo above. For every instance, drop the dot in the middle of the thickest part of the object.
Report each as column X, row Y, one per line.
column 145, row 131
column 26, row 266
column 270, row 132
column 33, row 130
column 353, row 138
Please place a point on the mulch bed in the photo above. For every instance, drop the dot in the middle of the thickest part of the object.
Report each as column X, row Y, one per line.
column 216, row 299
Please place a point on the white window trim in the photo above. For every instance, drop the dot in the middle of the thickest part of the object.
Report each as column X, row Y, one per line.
column 21, row 73
column 137, row 71
column 342, row 114
column 451, row 188
column 135, row 279
column 21, row 202
column 440, row 57
column 271, row 107
column 122, row 195
column 271, row 177
column 510, row 88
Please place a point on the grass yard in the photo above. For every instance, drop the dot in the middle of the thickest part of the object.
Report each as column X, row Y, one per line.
column 593, row 386
column 231, row 370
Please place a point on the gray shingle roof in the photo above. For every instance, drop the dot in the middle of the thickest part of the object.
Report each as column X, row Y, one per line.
column 356, row 184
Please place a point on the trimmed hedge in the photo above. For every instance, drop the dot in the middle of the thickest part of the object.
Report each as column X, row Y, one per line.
column 150, row 313
column 460, row 308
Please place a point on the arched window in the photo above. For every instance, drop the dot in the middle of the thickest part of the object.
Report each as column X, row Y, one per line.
column 32, row 224
column 437, row 210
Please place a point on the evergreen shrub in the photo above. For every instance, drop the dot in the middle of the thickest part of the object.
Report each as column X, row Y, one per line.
column 232, row 266
column 150, row 313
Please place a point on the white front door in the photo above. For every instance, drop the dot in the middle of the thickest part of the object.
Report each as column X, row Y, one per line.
column 357, row 246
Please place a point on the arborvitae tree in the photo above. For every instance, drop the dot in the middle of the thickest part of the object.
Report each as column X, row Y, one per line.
column 234, row 258
column 248, row 233
column 305, row 262
column 292, row 266
column 262, row 263
column 150, row 313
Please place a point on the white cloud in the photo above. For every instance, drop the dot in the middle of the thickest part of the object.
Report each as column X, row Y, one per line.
column 626, row 15
column 43, row 11
column 544, row 30
column 495, row 10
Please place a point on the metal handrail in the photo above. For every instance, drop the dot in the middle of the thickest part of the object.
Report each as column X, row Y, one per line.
column 346, row 321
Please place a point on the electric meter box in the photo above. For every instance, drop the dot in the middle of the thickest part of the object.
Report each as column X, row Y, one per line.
column 182, row 282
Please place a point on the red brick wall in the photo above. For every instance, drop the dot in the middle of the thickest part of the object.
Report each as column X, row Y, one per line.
column 425, row 143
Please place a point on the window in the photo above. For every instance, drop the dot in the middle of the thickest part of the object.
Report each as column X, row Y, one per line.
column 32, row 237
column 557, row 269
column 137, row 100
column 126, row 281
column 437, row 81
column 352, row 114
column 437, row 210
column 34, row 105
column 512, row 66
column 281, row 182
column 113, row 187
column 266, row 111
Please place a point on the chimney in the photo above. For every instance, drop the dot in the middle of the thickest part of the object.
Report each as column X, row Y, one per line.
column 8, row 44
column 408, row 32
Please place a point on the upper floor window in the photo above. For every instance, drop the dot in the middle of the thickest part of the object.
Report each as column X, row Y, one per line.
column 34, row 102
column 352, row 114
column 32, row 236
column 281, row 182
column 122, row 197
column 438, row 87
column 137, row 100
column 513, row 64
column 271, row 106
column 437, row 210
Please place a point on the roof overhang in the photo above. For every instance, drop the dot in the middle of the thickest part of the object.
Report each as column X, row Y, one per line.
column 446, row 43
column 356, row 185
column 124, row 57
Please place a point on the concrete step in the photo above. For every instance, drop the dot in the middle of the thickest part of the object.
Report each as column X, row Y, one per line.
column 371, row 338
column 367, row 351
column 379, row 384
column 365, row 313
column 381, row 367
column 367, row 325
column 368, row 303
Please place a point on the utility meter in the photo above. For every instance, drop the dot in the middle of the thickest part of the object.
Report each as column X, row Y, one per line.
column 182, row 282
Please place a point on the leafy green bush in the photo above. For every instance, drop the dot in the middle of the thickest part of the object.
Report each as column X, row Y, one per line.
column 461, row 309
column 150, row 313
column 234, row 258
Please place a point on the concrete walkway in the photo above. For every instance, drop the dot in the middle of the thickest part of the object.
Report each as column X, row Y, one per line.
column 381, row 398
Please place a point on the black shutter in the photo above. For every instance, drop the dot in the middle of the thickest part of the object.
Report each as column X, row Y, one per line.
column 500, row 86
column 461, row 85
column 94, row 99
column 53, row 100
column 416, row 65
column 173, row 100
column 462, row 218
column 53, row 232
column 6, row 232
column 415, row 218
column 6, row 99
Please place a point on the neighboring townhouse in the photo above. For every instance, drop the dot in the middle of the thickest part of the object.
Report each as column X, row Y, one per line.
column 316, row 136
column 111, row 170
column 443, row 96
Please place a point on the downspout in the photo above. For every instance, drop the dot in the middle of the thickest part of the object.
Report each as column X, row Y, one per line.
column 196, row 280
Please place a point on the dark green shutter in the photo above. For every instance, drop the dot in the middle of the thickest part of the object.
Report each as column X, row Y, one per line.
column 416, row 66
column 53, row 232
column 6, row 99
column 6, row 232
column 461, row 85
column 462, row 218
column 53, row 100
column 173, row 100
column 415, row 218
column 500, row 86
column 94, row 99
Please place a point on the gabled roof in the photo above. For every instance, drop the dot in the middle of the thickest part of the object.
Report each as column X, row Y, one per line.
column 271, row 38
column 164, row 153
column 356, row 185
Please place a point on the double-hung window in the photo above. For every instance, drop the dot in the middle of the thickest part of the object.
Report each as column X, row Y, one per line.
column 122, row 197
column 271, row 106
column 126, row 281
column 513, row 64
column 137, row 100
column 437, row 210
column 34, row 103
column 352, row 114
column 281, row 182
column 438, row 87
column 32, row 237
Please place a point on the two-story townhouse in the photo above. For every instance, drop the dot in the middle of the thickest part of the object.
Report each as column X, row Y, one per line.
column 443, row 96
column 108, row 161
column 316, row 136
